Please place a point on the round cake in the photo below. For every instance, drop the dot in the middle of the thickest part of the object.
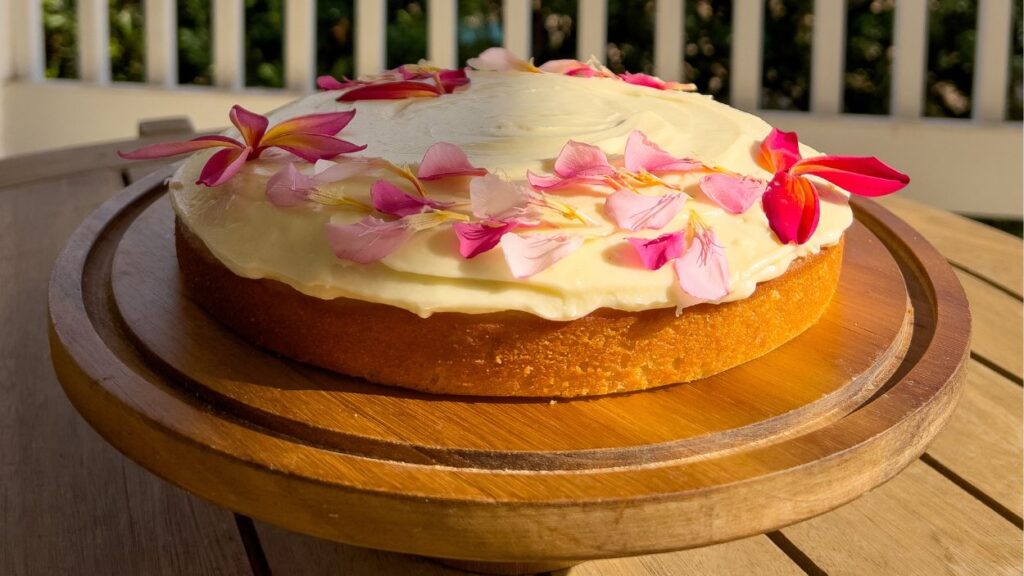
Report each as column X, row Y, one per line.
column 512, row 230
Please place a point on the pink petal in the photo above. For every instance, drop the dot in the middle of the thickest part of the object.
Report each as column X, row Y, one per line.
column 327, row 124
column 390, row 199
column 327, row 82
column 779, row 151
column 657, row 252
column 863, row 175
column 289, row 187
column 542, row 182
column 492, row 197
column 577, row 159
column 252, row 126
column 452, row 79
column 527, row 255
column 369, row 240
column 643, row 80
column 791, row 205
column 326, row 171
column 174, row 148
column 499, row 60
column 632, row 211
column 643, row 155
column 702, row 271
column 562, row 66
column 313, row 147
column 478, row 237
column 223, row 165
column 735, row 194
column 398, row 90
column 442, row 160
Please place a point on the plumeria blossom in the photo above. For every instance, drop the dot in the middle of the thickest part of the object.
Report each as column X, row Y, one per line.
column 577, row 163
column 310, row 137
column 528, row 254
column 640, row 79
column 734, row 193
column 393, row 90
column 447, row 79
column 699, row 263
column 290, row 187
column 443, row 160
column 500, row 60
column 390, row 199
column 791, row 200
column 632, row 211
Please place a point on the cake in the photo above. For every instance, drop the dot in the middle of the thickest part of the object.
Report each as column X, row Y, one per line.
column 513, row 230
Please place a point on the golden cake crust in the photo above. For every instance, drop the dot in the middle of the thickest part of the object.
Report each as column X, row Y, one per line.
column 511, row 353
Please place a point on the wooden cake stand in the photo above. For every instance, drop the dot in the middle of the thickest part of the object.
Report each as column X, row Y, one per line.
column 502, row 485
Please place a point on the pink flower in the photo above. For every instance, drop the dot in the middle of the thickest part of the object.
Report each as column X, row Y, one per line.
column 475, row 238
column 527, row 255
column 289, row 187
column 577, row 163
column 640, row 79
column 632, row 211
column 642, row 155
column 442, row 160
column 500, row 60
column 657, row 252
column 327, row 82
column 495, row 199
column 735, row 194
column 369, row 240
column 791, row 200
column 310, row 137
column 390, row 199
column 702, row 271
column 447, row 79
column 395, row 90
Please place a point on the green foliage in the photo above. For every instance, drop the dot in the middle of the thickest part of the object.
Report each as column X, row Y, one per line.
column 407, row 32
column 788, row 27
column 951, row 34
column 60, row 31
column 264, row 43
column 630, row 36
column 708, row 42
column 479, row 27
column 869, row 54
column 335, row 42
column 554, row 29
column 195, row 43
column 127, row 41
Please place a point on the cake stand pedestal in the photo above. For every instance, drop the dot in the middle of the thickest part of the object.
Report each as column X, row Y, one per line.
column 506, row 485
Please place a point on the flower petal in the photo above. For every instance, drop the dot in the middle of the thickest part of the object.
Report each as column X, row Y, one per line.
column 398, row 90
column 289, row 187
column 442, row 160
column 643, row 155
column 735, row 194
column 577, row 159
column 166, row 149
column 791, row 205
column 326, row 171
column 492, row 197
column 369, row 240
column 863, row 175
column 327, row 124
column 251, row 125
column 327, row 82
column 527, row 255
column 390, row 199
column 649, row 81
column 498, row 59
column 779, row 151
column 478, row 237
column 452, row 79
column 542, row 182
column 313, row 147
column 702, row 271
column 657, row 252
column 223, row 165
column 632, row 211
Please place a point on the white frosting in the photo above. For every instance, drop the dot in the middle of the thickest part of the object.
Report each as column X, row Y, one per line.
column 507, row 122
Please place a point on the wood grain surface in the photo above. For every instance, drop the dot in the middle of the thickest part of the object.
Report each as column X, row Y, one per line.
column 475, row 513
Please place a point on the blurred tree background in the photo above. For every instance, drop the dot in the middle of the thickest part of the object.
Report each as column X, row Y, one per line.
column 788, row 25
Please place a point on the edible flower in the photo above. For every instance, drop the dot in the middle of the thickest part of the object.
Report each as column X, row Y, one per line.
column 577, row 163
column 368, row 240
column 475, row 238
column 447, row 79
column 734, row 193
column 640, row 79
column 290, row 187
column 642, row 155
column 395, row 90
column 791, row 200
column 657, row 252
column 327, row 82
column 310, row 137
column 390, row 199
column 498, row 59
column 699, row 263
column 632, row 211
column 528, row 254
column 443, row 159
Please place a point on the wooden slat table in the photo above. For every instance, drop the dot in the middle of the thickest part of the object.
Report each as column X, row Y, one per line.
column 72, row 504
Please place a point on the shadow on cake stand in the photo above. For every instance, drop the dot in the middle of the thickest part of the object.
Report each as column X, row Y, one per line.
column 498, row 485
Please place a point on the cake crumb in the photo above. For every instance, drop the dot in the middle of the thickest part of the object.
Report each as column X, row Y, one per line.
column 553, row 402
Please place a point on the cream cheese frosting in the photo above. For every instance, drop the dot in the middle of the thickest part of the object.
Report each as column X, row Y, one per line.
column 508, row 123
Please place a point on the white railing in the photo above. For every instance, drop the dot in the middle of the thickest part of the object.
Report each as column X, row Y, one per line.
column 21, row 64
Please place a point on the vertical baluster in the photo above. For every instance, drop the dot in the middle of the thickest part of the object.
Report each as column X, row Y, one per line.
column 910, row 44
column 518, row 20
column 161, row 19
column 26, row 39
column 94, row 41
column 228, row 44
column 669, row 39
column 992, row 59
column 7, row 41
column 747, row 30
column 592, row 30
column 442, row 45
column 827, row 56
column 300, row 44
column 371, row 28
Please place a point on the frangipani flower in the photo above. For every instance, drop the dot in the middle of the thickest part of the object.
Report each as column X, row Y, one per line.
column 310, row 137
column 702, row 272
column 442, row 160
column 632, row 211
column 735, row 194
column 640, row 79
column 390, row 199
column 393, row 90
column 528, row 254
column 447, row 79
column 642, row 155
column 791, row 200
column 290, row 187
column 500, row 60
column 577, row 163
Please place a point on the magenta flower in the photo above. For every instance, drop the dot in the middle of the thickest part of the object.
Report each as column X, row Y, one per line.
column 310, row 137
column 702, row 271
column 390, row 199
column 657, row 252
column 396, row 90
column 475, row 238
column 640, row 79
column 577, row 163
column 447, row 79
